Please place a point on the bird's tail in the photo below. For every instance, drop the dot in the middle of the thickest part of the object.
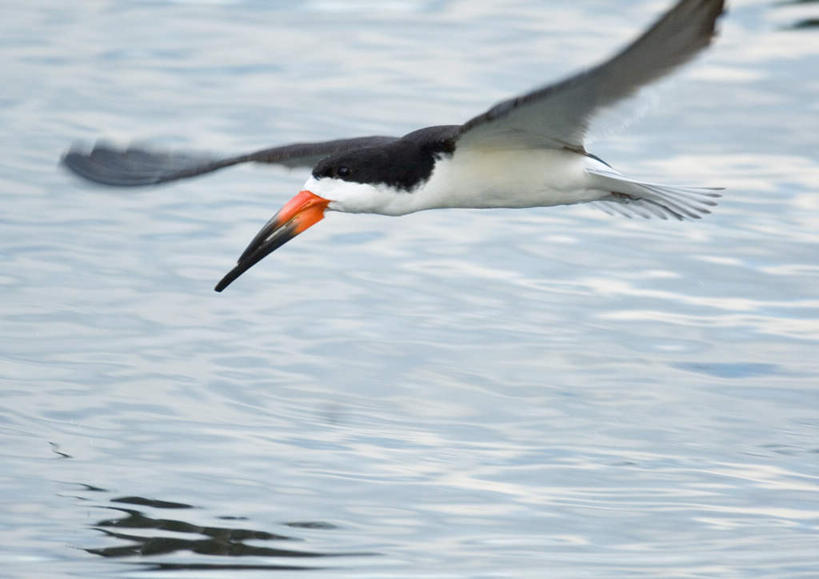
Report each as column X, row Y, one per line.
column 629, row 197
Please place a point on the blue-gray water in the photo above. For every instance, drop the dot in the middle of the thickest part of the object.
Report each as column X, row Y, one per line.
column 453, row 393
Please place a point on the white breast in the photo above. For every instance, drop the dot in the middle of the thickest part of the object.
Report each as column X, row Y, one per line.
column 484, row 179
column 476, row 179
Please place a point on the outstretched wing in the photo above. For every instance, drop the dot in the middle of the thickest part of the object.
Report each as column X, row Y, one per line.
column 558, row 115
column 134, row 166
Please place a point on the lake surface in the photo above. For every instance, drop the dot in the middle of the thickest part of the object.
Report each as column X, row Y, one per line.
column 544, row 392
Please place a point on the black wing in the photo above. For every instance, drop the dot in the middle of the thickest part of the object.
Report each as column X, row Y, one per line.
column 134, row 166
column 558, row 115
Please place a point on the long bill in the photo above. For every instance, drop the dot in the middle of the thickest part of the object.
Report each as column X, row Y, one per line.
column 298, row 214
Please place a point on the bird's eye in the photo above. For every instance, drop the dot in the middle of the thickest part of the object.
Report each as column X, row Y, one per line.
column 343, row 171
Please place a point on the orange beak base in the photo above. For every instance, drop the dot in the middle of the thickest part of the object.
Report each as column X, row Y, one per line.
column 301, row 212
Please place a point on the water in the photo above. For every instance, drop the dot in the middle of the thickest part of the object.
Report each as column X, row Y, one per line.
column 452, row 393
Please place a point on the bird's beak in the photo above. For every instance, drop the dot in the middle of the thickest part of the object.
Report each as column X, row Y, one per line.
column 302, row 211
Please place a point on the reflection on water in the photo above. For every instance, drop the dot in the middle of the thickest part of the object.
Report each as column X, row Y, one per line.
column 55, row 448
column 215, row 541
column 805, row 23
column 802, row 22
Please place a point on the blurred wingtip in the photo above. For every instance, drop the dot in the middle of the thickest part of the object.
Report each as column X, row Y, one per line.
column 135, row 166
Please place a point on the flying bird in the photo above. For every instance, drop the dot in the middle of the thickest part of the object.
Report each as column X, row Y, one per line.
column 527, row 151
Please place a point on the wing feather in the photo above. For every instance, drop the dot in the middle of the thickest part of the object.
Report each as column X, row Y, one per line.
column 558, row 115
column 135, row 166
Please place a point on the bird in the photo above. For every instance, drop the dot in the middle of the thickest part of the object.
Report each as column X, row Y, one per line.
column 526, row 151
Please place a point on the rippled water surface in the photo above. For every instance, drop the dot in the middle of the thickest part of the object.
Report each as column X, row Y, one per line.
column 452, row 393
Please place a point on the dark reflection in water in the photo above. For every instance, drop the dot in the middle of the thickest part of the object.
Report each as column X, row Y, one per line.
column 805, row 22
column 55, row 448
column 203, row 540
column 737, row 370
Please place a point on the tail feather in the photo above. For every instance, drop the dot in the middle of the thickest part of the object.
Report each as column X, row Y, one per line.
column 629, row 197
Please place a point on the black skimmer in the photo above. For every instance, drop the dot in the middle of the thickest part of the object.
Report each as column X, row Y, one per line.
column 523, row 152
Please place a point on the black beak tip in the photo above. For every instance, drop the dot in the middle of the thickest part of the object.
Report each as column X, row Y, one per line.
column 229, row 278
column 262, row 245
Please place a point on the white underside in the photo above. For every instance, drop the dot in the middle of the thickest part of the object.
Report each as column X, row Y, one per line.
column 520, row 178
column 477, row 179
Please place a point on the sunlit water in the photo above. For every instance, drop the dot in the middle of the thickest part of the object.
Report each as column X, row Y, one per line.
column 454, row 393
